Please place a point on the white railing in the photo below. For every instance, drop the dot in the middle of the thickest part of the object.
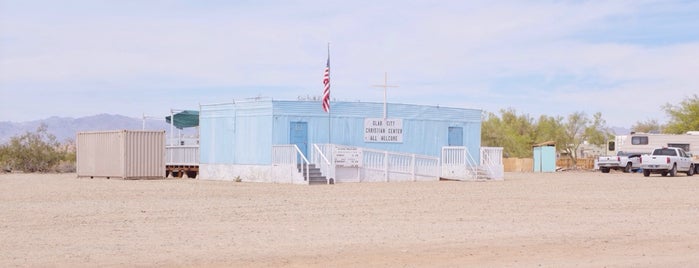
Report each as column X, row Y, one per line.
column 290, row 154
column 183, row 141
column 491, row 161
column 457, row 161
column 400, row 163
column 182, row 155
column 454, row 155
column 327, row 167
column 328, row 151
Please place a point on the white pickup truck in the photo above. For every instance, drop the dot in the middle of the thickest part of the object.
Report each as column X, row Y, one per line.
column 667, row 160
column 624, row 161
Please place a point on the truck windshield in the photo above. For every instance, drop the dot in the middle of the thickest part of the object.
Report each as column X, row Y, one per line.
column 665, row 151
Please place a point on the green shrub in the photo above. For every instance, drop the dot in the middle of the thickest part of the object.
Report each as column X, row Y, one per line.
column 36, row 152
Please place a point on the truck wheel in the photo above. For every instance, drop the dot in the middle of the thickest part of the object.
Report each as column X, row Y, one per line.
column 673, row 171
column 646, row 173
column 604, row 170
column 690, row 172
column 627, row 168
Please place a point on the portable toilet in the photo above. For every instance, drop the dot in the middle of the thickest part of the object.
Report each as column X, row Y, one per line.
column 545, row 157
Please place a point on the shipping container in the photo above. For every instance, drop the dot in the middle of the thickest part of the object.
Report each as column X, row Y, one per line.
column 126, row 154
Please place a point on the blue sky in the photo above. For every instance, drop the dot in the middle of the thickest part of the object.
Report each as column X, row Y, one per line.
column 624, row 59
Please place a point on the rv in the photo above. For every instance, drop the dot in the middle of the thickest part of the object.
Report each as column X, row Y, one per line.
column 645, row 143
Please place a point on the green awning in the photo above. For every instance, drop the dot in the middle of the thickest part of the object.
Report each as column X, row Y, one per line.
column 185, row 119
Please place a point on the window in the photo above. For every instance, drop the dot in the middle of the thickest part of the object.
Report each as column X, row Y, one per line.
column 665, row 151
column 639, row 140
column 684, row 146
column 610, row 146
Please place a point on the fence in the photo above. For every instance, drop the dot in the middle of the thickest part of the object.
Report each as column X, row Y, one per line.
column 582, row 163
column 526, row 164
column 518, row 164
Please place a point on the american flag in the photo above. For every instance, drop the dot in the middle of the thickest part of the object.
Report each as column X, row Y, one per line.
column 326, row 90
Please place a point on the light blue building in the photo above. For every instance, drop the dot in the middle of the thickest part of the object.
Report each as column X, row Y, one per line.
column 237, row 140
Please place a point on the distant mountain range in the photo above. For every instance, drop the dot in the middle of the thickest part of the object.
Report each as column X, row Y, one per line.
column 66, row 127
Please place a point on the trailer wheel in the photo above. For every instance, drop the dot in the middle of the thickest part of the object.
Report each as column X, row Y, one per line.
column 646, row 173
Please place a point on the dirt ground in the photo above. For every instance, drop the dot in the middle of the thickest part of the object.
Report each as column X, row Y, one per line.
column 581, row 219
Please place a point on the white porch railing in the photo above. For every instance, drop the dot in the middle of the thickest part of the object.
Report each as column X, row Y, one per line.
column 491, row 161
column 400, row 166
column 320, row 159
column 400, row 163
column 290, row 154
column 182, row 155
column 458, row 163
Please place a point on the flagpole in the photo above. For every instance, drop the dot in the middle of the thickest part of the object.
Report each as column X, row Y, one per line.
column 329, row 110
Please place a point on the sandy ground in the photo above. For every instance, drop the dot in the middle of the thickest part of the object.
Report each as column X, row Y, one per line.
column 581, row 219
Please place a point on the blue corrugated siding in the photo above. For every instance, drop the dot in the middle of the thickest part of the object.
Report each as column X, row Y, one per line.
column 373, row 109
column 216, row 131
column 236, row 133
column 425, row 128
column 253, row 140
column 254, row 108
column 243, row 133
column 419, row 137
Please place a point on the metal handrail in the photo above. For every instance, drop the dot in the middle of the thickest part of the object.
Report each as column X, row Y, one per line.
column 472, row 163
column 304, row 168
column 491, row 158
column 325, row 167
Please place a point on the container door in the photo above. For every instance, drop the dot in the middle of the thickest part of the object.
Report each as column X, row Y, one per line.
column 299, row 136
column 456, row 136
column 548, row 159
column 537, row 159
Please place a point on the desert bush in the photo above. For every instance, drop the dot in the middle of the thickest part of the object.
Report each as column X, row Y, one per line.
column 65, row 167
column 34, row 152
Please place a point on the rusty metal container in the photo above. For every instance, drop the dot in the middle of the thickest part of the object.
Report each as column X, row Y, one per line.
column 126, row 154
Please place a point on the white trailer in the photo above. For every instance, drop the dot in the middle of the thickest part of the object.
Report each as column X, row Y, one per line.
column 645, row 143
